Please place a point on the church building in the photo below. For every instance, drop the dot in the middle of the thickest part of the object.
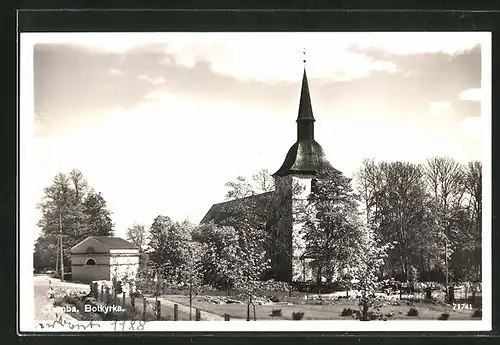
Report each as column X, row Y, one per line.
column 292, row 181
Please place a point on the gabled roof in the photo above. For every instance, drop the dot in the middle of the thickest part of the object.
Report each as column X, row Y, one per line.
column 115, row 242
column 221, row 211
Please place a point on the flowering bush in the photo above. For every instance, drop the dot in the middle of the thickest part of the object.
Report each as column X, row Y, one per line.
column 370, row 259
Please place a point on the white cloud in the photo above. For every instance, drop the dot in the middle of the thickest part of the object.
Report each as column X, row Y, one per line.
column 472, row 95
column 278, row 56
column 274, row 57
column 115, row 71
column 153, row 80
column 440, row 107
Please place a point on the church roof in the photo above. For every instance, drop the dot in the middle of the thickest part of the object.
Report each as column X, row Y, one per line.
column 304, row 157
column 221, row 211
column 305, row 107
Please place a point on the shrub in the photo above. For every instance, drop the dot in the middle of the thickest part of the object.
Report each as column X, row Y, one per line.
column 444, row 316
column 413, row 312
column 297, row 315
column 276, row 312
column 136, row 294
column 477, row 313
column 374, row 315
column 347, row 312
column 69, row 300
column 274, row 299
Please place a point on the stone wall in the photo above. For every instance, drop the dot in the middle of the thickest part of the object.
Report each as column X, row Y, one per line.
column 124, row 266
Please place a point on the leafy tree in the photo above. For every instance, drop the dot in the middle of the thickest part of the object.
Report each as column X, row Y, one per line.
column 261, row 182
column 249, row 218
column 137, row 235
column 97, row 216
column 169, row 245
column 69, row 207
column 239, row 188
column 332, row 228
column 370, row 258
column 45, row 253
column 473, row 190
column 220, row 261
column 400, row 210
column 191, row 275
column 368, row 179
column 157, row 239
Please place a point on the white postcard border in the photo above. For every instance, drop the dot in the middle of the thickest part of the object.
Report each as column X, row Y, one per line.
column 27, row 222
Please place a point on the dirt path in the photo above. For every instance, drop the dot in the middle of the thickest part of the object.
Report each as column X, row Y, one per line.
column 44, row 306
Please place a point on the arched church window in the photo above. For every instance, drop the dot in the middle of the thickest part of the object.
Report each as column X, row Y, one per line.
column 90, row 262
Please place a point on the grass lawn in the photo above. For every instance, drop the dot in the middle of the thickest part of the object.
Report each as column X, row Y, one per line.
column 427, row 311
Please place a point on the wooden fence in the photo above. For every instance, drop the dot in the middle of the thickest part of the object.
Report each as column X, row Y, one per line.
column 108, row 295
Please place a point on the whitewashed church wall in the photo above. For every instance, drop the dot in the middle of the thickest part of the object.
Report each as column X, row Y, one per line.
column 300, row 267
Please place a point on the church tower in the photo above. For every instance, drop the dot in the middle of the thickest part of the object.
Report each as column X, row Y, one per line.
column 292, row 186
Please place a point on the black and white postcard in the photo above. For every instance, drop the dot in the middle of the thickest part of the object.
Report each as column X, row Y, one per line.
column 327, row 181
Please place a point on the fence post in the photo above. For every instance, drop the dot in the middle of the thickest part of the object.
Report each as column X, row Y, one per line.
column 158, row 310
column 123, row 299
column 428, row 293
column 227, row 317
column 102, row 293
column 176, row 312
column 144, row 308
column 451, row 294
column 198, row 314
column 108, row 294
column 132, row 300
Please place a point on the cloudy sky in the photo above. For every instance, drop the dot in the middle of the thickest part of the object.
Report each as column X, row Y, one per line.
column 159, row 122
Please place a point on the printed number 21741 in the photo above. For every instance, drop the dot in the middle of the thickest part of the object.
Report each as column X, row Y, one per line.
column 462, row 306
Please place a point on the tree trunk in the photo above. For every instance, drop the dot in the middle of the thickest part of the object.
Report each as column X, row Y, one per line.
column 190, row 303
column 365, row 311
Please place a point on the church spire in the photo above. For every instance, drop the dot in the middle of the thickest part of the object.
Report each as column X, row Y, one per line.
column 305, row 118
column 306, row 156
